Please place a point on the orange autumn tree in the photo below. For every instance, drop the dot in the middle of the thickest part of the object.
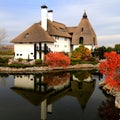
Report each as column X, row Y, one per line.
column 111, row 69
column 81, row 53
column 57, row 59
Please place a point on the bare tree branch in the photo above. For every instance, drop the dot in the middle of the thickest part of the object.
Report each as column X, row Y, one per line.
column 2, row 34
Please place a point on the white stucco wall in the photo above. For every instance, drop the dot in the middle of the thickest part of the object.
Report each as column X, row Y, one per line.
column 24, row 50
column 25, row 82
column 51, row 46
column 75, row 46
column 61, row 44
column 27, row 49
column 90, row 47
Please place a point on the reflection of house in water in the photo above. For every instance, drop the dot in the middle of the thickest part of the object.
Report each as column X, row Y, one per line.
column 82, row 91
column 44, row 90
column 82, row 85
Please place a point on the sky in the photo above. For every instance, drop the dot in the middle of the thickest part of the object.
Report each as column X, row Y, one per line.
column 104, row 16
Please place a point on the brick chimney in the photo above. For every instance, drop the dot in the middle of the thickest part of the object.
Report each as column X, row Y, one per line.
column 44, row 17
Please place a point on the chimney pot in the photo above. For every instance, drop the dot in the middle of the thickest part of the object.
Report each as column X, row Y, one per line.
column 43, row 6
column 50, row 10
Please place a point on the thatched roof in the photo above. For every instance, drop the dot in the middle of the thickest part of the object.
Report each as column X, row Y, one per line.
column 33, row 34
column 84, row 30
column 33, row 97
column 58, row 29
column 71, row 29
column 36, row 33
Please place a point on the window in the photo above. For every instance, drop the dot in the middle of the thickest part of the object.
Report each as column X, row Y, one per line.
column 20, row 54
column 56, row 45
column 82, row 29
column 17, row 54
column 94, row 40
column 81, row 40
column 57, row 38
column 37, row 48
column 26, row 35
column 65, row 39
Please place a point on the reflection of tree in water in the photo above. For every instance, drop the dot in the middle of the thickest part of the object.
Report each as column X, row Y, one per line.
column 81, row 75
column 56, row 78
column 107, row 110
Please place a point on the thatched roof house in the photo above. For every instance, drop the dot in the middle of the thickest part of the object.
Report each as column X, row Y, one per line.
column 54, row 36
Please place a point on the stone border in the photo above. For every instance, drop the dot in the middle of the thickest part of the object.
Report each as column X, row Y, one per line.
column 111, row 91
column 46, row 69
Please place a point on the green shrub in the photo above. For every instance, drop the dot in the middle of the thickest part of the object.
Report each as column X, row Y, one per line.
column 7, row 52
column 4, row 60
column 19, row 65
column 38, row 62
column 75, row 61
column 91, row 60
column 20, row 59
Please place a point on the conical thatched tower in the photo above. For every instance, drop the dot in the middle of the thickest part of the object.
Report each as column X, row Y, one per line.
column 84, row 34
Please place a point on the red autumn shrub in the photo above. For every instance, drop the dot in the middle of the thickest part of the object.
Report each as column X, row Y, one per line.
column 111, row 69
column 57, row 59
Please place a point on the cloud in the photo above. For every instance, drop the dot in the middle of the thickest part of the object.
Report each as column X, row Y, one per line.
column 103, row 15
column 109, row 37
column 109, row 40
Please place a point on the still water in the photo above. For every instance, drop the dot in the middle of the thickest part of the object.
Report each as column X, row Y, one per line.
column 55, row 96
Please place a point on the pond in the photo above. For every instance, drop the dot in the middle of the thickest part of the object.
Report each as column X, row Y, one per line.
column 55, row 96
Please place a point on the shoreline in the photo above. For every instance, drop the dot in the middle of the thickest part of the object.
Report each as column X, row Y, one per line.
column 47, row 69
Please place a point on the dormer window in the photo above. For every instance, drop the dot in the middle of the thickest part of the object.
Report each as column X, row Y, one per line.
column 62, row 29
column 26, row 35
